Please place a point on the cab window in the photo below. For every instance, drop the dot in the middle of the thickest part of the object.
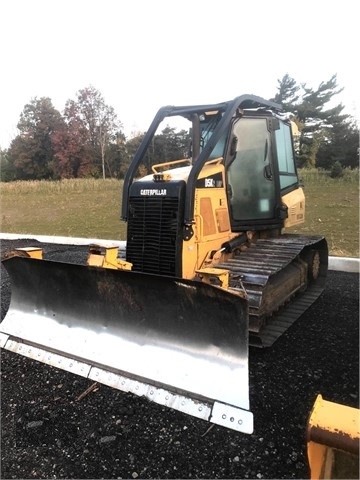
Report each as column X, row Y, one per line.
column 286, row 157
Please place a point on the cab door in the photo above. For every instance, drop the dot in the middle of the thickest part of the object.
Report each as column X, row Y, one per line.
column 253, row 193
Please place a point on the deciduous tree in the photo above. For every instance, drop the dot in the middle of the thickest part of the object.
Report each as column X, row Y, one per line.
column 97, row 124
column 7, row 171
column 31, row 152
column 117, row 156
column 73, row 158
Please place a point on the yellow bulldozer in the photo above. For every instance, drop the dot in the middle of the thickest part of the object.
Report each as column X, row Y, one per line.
column 208, row 270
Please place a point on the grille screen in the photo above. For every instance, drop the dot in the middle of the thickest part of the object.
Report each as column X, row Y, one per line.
column 154, row 235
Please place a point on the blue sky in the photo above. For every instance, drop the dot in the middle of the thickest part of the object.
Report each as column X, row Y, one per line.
column 143, row 54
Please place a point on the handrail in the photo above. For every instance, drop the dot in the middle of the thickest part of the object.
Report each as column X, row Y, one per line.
column 168, row 164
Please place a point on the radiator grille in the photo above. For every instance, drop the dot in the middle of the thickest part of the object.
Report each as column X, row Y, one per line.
column 154, row 235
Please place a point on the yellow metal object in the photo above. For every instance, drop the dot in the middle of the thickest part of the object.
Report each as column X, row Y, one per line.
column 295, row 201
column 162, row 166
column 32, row 252
column 294, row 129
column 162, row 177
column 106, row 257
column 214, row 161
column 214, row 276
column 333, row 435
column 212, row 222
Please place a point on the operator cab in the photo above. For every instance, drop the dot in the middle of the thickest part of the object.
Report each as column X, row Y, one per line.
column 260, row 165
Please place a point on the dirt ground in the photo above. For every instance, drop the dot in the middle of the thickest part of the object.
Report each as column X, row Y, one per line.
column 49, row 430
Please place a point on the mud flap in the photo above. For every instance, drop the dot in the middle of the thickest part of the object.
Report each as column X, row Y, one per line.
column 178, row 342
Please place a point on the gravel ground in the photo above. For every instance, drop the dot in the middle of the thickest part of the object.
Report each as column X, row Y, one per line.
column 50, row 431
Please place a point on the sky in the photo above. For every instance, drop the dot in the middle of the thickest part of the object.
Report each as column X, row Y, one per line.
column 144, row 54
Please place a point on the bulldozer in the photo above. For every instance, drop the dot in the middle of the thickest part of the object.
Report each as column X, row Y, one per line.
column 208, row 269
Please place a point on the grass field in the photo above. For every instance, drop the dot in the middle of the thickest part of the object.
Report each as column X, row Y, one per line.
column 332, row 210
column 91, row 208
column 75, row 208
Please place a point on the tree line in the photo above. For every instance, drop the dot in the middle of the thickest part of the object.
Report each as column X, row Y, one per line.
column 87, row 139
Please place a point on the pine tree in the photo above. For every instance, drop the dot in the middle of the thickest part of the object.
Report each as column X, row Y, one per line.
column 319, row 125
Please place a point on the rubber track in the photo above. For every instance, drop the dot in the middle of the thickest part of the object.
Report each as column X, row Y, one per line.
column 257, row 267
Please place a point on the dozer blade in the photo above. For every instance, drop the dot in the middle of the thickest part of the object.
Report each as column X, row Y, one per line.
column 180, row 343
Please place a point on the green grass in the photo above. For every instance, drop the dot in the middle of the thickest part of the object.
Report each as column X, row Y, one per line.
column 91, row 208
column 74, row 208
column 332, row 210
